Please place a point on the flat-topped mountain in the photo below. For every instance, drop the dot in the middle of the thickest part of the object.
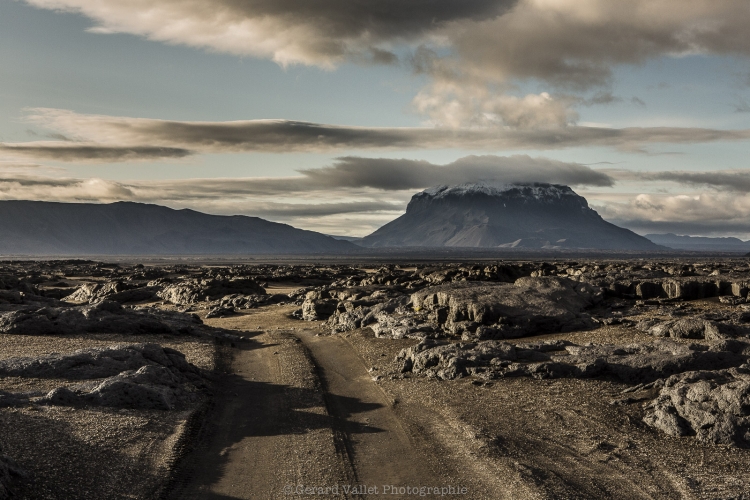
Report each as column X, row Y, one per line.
column 126, row 228
column 514, row 216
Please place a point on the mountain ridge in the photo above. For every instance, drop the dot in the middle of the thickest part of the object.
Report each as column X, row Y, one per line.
column 130, row 228
column 700, row 243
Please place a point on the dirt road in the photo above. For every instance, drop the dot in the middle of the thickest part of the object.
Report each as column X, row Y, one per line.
column 299, row 411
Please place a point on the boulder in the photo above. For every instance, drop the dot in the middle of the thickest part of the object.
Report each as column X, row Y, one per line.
column 318, row 309
column 220, row 312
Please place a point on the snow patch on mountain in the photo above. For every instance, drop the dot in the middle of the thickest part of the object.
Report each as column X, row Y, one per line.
column 537, row 191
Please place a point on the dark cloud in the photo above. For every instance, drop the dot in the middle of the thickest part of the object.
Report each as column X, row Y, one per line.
column 402, row 174
column 380, row 19
column 574, row 44
column 604, row 97
column 570, row 43
column 87, row 152
column 728, row 180
column 321, row 32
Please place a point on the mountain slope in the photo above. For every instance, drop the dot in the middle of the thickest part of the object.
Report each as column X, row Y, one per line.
column 125, row 228
column 514, row 216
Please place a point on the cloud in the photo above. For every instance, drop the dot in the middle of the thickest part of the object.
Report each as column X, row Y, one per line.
column 700, row 213
column 68, row 151
column 114, row 138
column 565, row 41
column 402, row 174
column 449, row 105
column 602, row 97
column 483, row 46
column 322, row 33
column 723, row 180
column 574, row 43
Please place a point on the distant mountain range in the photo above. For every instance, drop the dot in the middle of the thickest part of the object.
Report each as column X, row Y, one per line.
column 125, row 228
column 470, row 216
column 479, row 215
column 700, row 243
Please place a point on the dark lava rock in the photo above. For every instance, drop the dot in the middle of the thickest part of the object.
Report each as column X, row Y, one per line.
column 713, row 406
column 116, row 291
column 8, row 399
column 631, row 363
column 530, row 305
column 691, row 328
column 237, row 301
column 220, row 312
column 318, row 305
column 192, row 291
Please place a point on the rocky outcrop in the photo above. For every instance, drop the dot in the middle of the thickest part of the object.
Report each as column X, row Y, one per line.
column 689, row 328
column 633, row 364
column 103, row 317
column 530, row 305
column 713, row 406
column 140, row 376
column 192, row 291
column 96, row 362
column 147, row 388
column 115, row 291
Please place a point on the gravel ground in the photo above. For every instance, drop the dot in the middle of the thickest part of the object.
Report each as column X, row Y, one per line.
column 82, row 453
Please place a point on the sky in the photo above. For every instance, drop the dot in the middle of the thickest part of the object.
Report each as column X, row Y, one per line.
column 330, row 114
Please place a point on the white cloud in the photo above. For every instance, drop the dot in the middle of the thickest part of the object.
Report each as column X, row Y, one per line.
column 706, row 213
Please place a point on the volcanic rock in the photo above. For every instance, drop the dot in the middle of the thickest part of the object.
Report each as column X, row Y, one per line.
column 530, row 305
column 634, row 364
column 103, row 317
column 98, row 362
column 192, row 291
column 713, row 406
